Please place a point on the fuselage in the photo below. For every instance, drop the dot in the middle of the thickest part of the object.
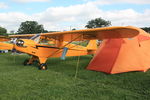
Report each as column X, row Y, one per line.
column 46, row 51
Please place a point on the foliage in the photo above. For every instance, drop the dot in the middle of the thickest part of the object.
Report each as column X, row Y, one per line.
column 73, row 29
column 98, row 22
column 3, row 31
column 30, row 27
column 147, row 29
column 20, row 82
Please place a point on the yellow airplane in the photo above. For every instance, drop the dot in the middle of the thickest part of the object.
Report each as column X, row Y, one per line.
column 61, row 43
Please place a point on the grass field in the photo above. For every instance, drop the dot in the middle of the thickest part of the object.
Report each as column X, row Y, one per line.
column 18, row 82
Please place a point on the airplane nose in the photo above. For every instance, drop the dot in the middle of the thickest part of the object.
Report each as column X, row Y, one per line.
column 20, row 43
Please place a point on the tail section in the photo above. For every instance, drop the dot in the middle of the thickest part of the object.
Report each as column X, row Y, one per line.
column 92, row 45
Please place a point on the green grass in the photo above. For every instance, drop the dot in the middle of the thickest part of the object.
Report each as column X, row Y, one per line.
column 18, row 82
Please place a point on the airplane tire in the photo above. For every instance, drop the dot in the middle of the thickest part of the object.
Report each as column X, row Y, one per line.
column 43, row 66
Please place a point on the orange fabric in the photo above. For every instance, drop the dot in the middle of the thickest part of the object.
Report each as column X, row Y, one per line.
column 133, row 55
column 143, row 38
column 106, row 58
column 6, row 46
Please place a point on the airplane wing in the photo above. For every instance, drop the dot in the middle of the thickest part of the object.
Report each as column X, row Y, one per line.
column 21, row 36
column 87, row 34
column 96, row 33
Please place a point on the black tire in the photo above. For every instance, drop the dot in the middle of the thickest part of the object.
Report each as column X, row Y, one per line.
column 43, row 66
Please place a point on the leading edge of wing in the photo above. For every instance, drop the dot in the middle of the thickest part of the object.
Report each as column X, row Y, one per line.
column 102, row 33
column 21, row 35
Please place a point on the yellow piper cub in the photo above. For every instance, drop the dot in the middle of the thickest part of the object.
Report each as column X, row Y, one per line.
column 62, row 43
column 43, row 52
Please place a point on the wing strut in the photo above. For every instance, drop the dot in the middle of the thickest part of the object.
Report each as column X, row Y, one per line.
column 65, row 45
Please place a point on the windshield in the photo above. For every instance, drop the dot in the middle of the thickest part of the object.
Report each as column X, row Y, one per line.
column 36, row 38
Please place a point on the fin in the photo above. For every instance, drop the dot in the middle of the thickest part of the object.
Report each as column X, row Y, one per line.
column 92, row 45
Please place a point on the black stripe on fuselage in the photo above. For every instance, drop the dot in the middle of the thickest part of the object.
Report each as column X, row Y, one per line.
column 47, row 47
column 55, row 47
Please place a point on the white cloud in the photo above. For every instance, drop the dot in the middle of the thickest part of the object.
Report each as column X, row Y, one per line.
column 27, row 1
column 12, row 20
column 78, row 15
column 69, row 14
column 3, row 5
column 137, row 1
column 103, row 2
column 61, row 18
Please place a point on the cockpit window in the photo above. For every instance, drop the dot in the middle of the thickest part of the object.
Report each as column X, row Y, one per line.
column 36, row 38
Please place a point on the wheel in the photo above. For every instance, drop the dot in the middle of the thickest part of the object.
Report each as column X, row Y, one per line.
column 26, row 62
column 43, row 66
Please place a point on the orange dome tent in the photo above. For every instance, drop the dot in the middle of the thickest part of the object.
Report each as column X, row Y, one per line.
column 123, row 54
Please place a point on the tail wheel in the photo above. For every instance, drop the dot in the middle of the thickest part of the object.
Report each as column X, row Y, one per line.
column 43, row 67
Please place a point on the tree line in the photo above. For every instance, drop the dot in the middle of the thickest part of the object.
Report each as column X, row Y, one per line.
column 31, row 27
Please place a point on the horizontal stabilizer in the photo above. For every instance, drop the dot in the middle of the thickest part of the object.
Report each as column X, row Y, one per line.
column 92, row 45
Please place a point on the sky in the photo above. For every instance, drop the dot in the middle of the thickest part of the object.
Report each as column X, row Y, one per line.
column 59, row 15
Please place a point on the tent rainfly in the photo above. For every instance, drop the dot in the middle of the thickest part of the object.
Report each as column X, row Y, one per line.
column 123, row 54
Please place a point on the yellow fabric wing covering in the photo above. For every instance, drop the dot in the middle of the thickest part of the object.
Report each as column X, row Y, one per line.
column 88, row 34
column 97, row 33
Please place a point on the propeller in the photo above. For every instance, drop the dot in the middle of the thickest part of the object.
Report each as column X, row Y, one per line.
column 13, row 41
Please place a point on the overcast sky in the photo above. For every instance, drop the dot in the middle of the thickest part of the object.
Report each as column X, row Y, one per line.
column 59, row 15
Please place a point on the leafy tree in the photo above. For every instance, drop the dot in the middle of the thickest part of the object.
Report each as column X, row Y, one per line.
column 30, row 27
column 3, row 31
column 73, row 29
column 98, row 22
column 147, row 29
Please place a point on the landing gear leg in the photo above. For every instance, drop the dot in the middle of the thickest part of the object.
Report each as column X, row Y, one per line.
column 30, row 61
column 42, row 65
